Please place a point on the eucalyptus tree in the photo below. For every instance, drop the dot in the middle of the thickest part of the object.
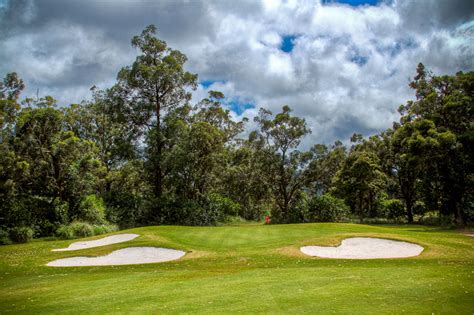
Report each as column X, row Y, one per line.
column 11, row 167
column 202, row 137
column 326, row 162
column 286, row 167
column 360, row 181
column 104, row 123
column 436, row 129
column 154, row 85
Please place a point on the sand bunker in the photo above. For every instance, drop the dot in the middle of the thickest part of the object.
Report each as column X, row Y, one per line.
column 124, row 256
column 114, row 239
column 365, row 248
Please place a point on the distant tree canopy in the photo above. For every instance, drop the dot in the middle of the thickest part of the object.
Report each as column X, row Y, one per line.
column 141, row 153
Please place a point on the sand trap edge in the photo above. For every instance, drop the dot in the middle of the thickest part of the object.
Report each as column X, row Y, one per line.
column 108, row 240
column 349, row 249
column 124, row 256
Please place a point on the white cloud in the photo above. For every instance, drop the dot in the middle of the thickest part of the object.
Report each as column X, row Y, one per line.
column 348, row 71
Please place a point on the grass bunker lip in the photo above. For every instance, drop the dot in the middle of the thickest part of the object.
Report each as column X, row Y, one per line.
column 365, row 248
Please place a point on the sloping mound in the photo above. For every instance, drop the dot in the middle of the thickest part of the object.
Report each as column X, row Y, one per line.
column 124, row 256
column 114, row 239
column 365, row 248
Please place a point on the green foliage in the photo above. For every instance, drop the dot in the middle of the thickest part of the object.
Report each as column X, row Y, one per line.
column 360, row 181
column 393, row 208
column 104, row 228
column 140, row 153
column 92, row 210
column 21, row 234
column 285, row 167
column 419, row 207
column 217, row 203
column 327, row 208
column 430, row 218
column 436, row 130
column 190, row 212
column 127, row 195
column 4, row 237
column 154, row 85
column 65, row 232
column 79, row 229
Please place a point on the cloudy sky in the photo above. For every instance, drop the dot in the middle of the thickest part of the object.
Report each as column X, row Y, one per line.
column 343, row 65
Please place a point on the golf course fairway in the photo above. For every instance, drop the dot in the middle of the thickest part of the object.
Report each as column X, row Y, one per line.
column 246, row 269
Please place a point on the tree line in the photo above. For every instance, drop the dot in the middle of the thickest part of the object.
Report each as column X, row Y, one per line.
column 141, row 153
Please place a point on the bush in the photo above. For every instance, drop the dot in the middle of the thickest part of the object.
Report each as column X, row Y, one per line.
column 211, row 210
column 220, row 204
column 92, row 209
column 234, row 220
column 327, row 208
column 104, row 228
column 83, row 229
column 4, row 238
column 65, row 232
column 419, row 207
column 430, row 218
column 22, row 234
column 393, row 208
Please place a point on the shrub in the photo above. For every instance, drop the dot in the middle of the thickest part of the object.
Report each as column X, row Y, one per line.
column 327, row 208
column 220, row 204
column 82, row 229
column 430, row 218
column 234, row 220
column 394, row 208
column 65, row 232
column 419, row 207
column 92, row 209
column 104, row 228
column 4, row 238
column 22, row 234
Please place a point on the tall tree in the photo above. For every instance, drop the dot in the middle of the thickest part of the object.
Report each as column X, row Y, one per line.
column 360, row 181
column 325, row 164
column 439, row 124
column 105, row 124
column 286, row 167
column 155, row 84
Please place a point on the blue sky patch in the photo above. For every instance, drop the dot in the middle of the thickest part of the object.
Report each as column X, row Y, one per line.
column 207, row 83
column 359, row 60
column 401, row 45
column 353, row 3
column 288, row 43
column 238, row 106
column 397, row 46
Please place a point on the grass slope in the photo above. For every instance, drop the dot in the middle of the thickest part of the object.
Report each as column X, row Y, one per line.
column 248, row 269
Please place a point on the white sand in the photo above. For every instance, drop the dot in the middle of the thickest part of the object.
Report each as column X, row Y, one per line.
column 114, row 239
column 365, row 248
column 124, row 256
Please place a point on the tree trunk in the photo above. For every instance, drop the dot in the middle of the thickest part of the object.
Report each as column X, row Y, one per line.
column 361, row 208
column 409, row 205
column 158, row 189
column 457, row 214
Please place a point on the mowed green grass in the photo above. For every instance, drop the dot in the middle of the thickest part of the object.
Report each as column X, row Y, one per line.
column 247, row 269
